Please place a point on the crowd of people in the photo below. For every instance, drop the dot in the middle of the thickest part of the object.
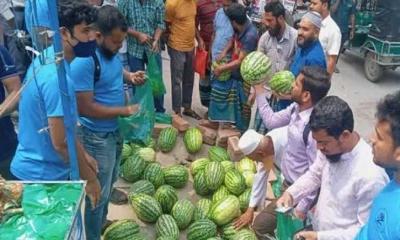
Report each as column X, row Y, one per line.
column 331, row 175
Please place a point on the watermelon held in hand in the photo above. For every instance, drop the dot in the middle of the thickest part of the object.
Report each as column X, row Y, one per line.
column 225, row 75
column 122, row 229
column 167, row 227
column 146, row 207
column 167, row 139
column 202, row 229
column 166, row 197
column 282, row 82
column 133, row 168
column 198, row 165
column 225, row 210
column 218, row 154
column 193, row 140
column 256, row 68
column 182, row 212
column 176, row 176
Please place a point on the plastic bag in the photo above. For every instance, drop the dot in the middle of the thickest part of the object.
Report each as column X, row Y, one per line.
column 287, row 226
column 154, row 75
column 163, row 118
column 200, row 62
column 139, row 127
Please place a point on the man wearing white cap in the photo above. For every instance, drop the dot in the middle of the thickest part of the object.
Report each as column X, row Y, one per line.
column 311, row 85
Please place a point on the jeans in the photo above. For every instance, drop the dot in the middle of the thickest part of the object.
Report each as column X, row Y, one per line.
column 137, row 64
column 106, row 148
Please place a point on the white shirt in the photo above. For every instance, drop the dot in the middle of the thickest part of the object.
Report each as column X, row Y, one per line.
column 347, row 189
column 330, row 37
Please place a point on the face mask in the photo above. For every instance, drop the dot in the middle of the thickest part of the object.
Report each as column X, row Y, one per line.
column 85, row 49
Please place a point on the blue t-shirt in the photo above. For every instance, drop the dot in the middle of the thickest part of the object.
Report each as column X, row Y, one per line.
column 312, row 55
column 384, row 219
column 223, row 33
column 36, row 158
column 108, row 90
column 8, row 138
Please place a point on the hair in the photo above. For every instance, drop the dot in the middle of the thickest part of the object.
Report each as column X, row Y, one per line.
column 317, row 81
column 74, row 12
column 276, row 8
column 388, row 109
column 327, row 2
column 109, row 19
column 237, row 12
column 333, row 115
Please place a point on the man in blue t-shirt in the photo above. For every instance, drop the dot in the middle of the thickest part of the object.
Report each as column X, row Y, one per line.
column 384, row 219
column 42, row 152
column 100, row 102
column 10, row 81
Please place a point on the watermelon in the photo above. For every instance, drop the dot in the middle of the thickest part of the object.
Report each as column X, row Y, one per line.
column 167, row 139
column 255, row 68
column 148, row 154
column 151, row 143
column 244, row 199
column 146, row 207
column 215, row 238
column 282, row 82
column 126, row 151
column 198, row 165
column 214, row 175
column 228, row 231
column 176, row 176
column 193, row 140
column 121, row 230
column 218, row 154
column 244, row 234
column 235, row 182
column 220, row 194
column 183, row 213
column 166, row 197
column 225, row 75
column 166, row 238
column 154, row 173
column 202, row 208
column 142, row 186
column 167, row 227
column 138, row 236
column 136, row 146
column 201, row 230
column 246, row 164
column 133, row 168
column 199, row 184
column 225, row 210
column 249, row 177
column 228, row 165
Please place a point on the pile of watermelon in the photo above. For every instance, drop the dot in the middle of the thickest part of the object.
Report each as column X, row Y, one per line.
column 256, row 68
column 224, row 188
column 282, row 82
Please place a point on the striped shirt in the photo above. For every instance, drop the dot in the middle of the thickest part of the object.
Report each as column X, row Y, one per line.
column 143, row 17
column 206, row 10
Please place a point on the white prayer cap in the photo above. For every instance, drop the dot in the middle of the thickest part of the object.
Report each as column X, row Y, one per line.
column 314, row 18
column 249, row 141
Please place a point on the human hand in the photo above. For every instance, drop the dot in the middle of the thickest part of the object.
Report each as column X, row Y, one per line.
column 201, row 44
column 143, row 38
column 155, row 46
column 217, row 71
column 245, row 219
column 137, row 78
column 130, row 110
column 351, row 34
column 92, row 163
column 286, row 200
column 306, row 235
column 93, row 191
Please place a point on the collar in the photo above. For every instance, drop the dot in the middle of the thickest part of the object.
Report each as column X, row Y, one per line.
column 303, row 115
column 286, row 33
column 326, row 20
column 311, row 46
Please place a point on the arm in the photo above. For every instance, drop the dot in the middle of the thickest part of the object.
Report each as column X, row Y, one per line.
column 333, row 51
column 12, row 85
column 331, row 64
column 259, row 187
column 226, row 50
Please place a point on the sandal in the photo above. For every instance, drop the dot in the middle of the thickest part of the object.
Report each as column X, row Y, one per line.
column 118, row 197
column 191, row 113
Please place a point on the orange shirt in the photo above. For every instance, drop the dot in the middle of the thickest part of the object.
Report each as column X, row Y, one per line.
column 181, row 16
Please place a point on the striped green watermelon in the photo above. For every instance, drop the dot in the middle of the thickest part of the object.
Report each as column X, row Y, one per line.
column 121, row 230
column 228, row 165
column 225, row 75
column 198, row 165
column 282, row 82
column 246, row 164
column 148, row 154
column 228, row 231
column 167, row 227
column 142, row 186
column 183, row 213
column 146, row 207
column 218, row 154
column 136, row 146
column 199, row 184
column 151, row 143
column 166, row 197
column 255, row 68
column 221, row 193
column 244, row 234
column 201, row 230
column 165, row 238
column 167, row 139
column 225, row 210
column 235, row 182
column 193, row 140
column 176, row 176
column 215, row 238
column 214, row 175
column 154, row 174
column 244, row 199
column 133, row 168
column 139, row 236
column 126, row 151
column 249, row 176
column 202, row 208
